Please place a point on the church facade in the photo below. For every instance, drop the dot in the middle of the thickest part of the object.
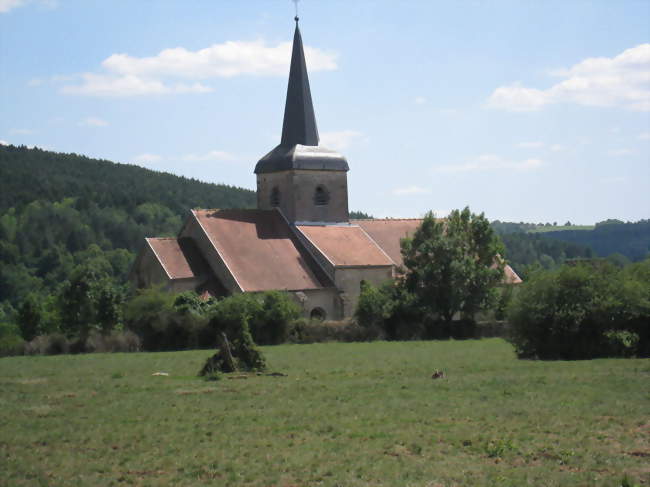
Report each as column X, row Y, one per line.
column 300, row 238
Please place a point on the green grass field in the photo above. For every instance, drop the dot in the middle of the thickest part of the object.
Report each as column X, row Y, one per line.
column 345, row 415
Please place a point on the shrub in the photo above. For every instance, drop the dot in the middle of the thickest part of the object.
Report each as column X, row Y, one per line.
column 237, row 351
column 54, row 344
column 11, row 343
column 317, row 331
column 164, row 321
column 278, row 311
column 580, row 311
column 268, row 314
column 116, row 341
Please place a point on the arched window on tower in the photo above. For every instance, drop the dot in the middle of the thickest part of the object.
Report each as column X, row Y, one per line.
column 275, row 196
column 321, row 196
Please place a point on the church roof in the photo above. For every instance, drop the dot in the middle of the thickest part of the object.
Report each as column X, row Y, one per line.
column 260, row 250
column 345, row 245
column 299, row 147
column 388, row 233
column 180, row 258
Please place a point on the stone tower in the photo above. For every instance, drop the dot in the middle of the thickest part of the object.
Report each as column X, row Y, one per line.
column 306, row 181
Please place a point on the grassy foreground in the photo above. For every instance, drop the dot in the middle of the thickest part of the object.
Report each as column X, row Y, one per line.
column 346, row 415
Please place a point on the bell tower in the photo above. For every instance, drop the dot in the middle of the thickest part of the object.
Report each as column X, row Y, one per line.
column 306, row 181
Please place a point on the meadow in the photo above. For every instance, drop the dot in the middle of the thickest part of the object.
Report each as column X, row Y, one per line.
column 344, row 415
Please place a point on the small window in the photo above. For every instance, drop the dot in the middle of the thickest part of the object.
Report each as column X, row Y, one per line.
column 275, row 196
column 321, row 196
column 318, row 314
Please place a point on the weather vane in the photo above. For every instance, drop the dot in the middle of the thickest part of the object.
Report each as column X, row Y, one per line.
column 296, row 18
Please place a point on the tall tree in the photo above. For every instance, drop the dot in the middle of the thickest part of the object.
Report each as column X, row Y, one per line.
column 453, row 265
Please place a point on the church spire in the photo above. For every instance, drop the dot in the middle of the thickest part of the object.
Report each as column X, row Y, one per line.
column 299, row 126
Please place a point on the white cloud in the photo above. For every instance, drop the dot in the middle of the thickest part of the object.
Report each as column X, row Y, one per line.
column 420, row 100
column 6, row 5
column 531, row 145
column 232, row 58
column 643, row 136
column 339, row 140
column 103, row 85
column 556, row 148
column 126, row 75
column 34, row 82
column 4, row 142
column 214, row 155
column 489, row 162
column 621, row 81
column 409, row 190
column 147, row 158
column 93, row 122
column 620, row 152
column 21, row 131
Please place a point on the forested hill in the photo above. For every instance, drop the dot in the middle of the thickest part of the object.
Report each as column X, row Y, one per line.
column 65, row 215
column 35, row 174
column 529, row 244
column 629, row 239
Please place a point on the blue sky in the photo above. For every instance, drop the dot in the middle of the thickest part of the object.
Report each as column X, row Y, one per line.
column 527, row 111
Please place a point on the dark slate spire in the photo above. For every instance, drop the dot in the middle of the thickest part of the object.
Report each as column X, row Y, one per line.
column 299, row 147
column 299, row 125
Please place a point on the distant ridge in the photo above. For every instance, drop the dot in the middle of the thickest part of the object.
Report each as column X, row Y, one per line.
column 36, row 174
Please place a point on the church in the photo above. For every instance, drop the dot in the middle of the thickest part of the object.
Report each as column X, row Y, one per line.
column 300, row 239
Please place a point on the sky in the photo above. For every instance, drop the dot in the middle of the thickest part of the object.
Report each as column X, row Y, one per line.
column 524, row 110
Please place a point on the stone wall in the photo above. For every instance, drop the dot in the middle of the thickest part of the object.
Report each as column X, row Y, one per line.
column 297, row 190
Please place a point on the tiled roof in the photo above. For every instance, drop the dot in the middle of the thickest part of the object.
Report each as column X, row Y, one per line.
column 179, row 257
column 345, row 245
column 260, row 250
column 388, row 233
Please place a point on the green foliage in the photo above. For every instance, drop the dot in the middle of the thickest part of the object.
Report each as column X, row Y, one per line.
column 176, row 322
column 152, row 316
column 91, row 299
column 375, row 305
column 452, row 266
column 268, row 315
column 583, row 311
column 58, row 211
column 629, row 239
column 237, row 350
column 525, row 251
column 11, row 341
column 278, row 311
column 304, row 330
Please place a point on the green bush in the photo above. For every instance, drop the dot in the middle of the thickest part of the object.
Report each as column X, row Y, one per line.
column 164, row 321
column 11, row 343
column 237, row 351
column 304, row 330
column 582, row 311
column 268, row 315
column 116, row 341
column 53, row 344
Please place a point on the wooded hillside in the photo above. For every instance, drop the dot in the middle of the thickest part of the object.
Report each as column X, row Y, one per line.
column 61, row 211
